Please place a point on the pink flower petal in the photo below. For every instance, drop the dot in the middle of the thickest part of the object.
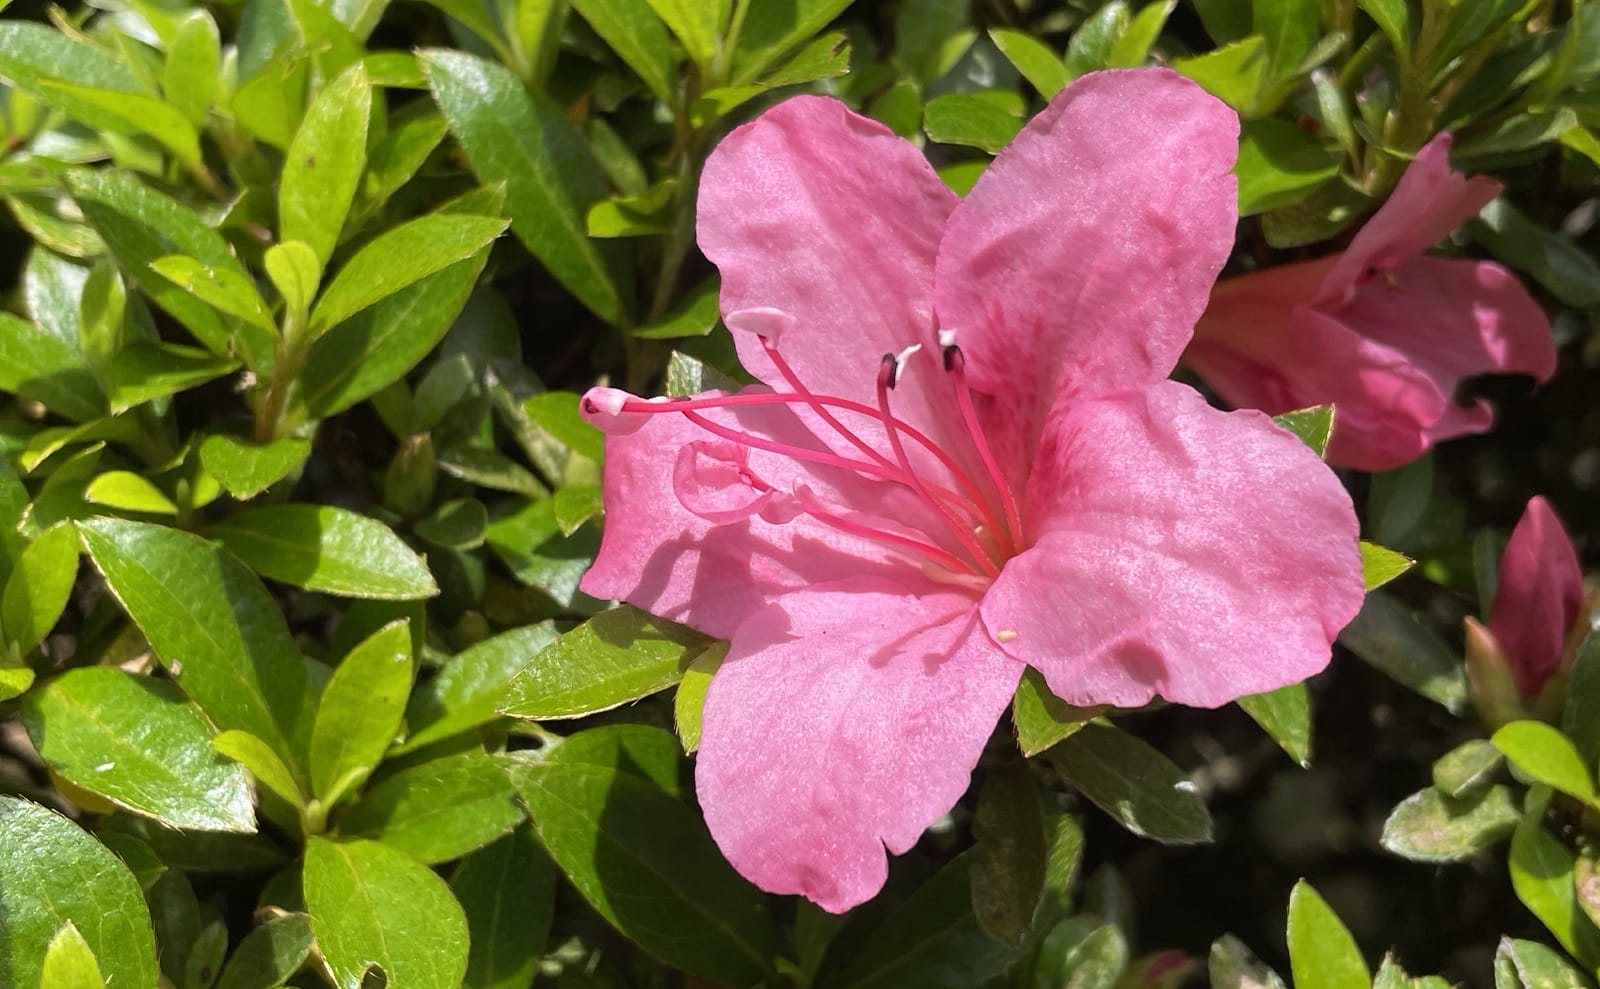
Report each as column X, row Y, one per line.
column 1429, row 201
column 675, row 544
column 1538, row 597
column 1082, row 258
column 846, row 718
column 826, row 216
column 1182, row 551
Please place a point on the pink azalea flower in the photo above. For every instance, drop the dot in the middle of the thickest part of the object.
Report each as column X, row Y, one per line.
column 1378, row 330
column 1538, row 599
column 964, row 460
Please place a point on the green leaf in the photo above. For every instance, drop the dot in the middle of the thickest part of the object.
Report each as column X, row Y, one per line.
column 615, row 657
column 30, row 52
column 1041, row 718
column 1233, row 74
column 456, row 524
column 295, row 272
column 1098, row 961
column 556, row 412
column 1133, row 783
column 323, row 166
column 1538, row 967
column 189, row 76
column 1279, row 164
column 1285, row 714
column 439, row 810
column 361, row 711
column 697, row 23
column 1466, row 767
column 772, row 30
column 695, row 315
column 1232, row 966
column 972, row 119
column 1548, row 756
column 1038, row 64
column 396, row 158
column 219, row 288
column 930, row 939
column 151, row 369
column 257, row 756
column 1562, row 267
column 465, row 692
column 1090, row 46
column 127, row 113
column 141, row 226
column 1380, row 565
column 576, row 504
column 39, row 587
column 136, row 742
column 1008, row 865
column 508, row 893
column 1133, row 47
column 37, row 365
column 644, row 860
column 53, row 873
column 400, row 257
column 636, row 34
column 69, row 962
column 1322, row 954
column 825, row 57
column 550, row 177
column 269, row 954
column 1388, row 636
column 360, row 894
column 1580, row 718
column 328, row 549
column 1291, row 29
column 246, row 469
column 1393, row 17
column 129, row 492
column 1542, row 874
column 689, row 700
column 212, row 624
column 1430, row 826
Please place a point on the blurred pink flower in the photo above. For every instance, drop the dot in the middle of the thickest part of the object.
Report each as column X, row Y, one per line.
column 965, row 460
column 1378, row 330
column 1538, row 599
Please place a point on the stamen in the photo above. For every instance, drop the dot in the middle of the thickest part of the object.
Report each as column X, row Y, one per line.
column 828, row 417
column 956, row 363
column 887, row 374
column 942, row 557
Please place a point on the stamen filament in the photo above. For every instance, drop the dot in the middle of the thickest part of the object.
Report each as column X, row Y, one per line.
column 816, row 406
column 945, row 559
column 956, row 363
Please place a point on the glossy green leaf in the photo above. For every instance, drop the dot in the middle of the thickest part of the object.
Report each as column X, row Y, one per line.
column 1133, row 46
column 556, row 412
column 1536, row 966
column 149, row 369
column 513, row 137
column 1393, row 17
column 466, row 691
column 644, row 860
column 1570, row 273
column 1546, row 755
column 1133, row 783
column 220, row 288
column 400, row 257
column 1233, row 73
column 508, row 893
column 212, row 624
column 689, row 700
column 361, row 711
column 1041, row 718
column 1322, row 954
column 37, row 365
column 1089, row 48
column 1038, row 64
column 30, row 52
column 323, row 166
column 360, row 893
column 328, row 549
column 257, row 756
column 1098, row 961
column 127, row 113
column 135, row 742
column 439, row 810
column 615, row 657
column 53, row 872
column 1467, row 767
column 1430, row 826
column 772, row 30
column 1285, row 714
column 189, row 78
column 1291, row 29
column 269, row 954
column 825, row 57
column 1380, row 565
column 129, row 492
column 69, row 962
column 1279, row 164
column 40, row 584
column 1231, row 965
column 695, row 315
column 1580, row 718
column 296, row 272
column 1388, row 636
column 971, row 119
column 396, row 158
column 1542, row 874
column 1008, row 865
column 246, row 469
column 636, row 34
column 697, row 23
column 930, row 939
